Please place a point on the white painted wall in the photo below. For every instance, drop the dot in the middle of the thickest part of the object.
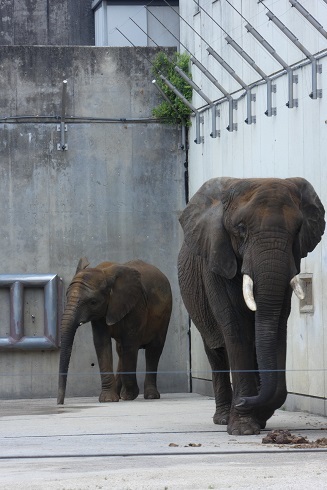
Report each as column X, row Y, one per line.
column 292, row 143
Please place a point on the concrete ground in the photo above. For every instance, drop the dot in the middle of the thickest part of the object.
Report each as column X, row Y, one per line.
column 169, row 443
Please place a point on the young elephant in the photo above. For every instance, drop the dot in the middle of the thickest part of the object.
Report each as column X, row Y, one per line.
column 130, row 303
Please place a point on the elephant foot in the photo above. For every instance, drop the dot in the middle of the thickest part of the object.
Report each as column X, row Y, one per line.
column 151, row 393
column 129, row 395
column 221, row 416
column 108, row 396
column 243, row 425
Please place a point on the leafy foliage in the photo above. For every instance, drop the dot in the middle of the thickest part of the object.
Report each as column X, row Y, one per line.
column 175, row 112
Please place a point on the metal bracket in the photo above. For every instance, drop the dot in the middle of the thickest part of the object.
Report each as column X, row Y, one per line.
column 291, row 80
column 250, row 98
column 215, row 113
column 198, row 120
column 215, row 132
column 271, row 89
column 62, row 127
column 232, row 106
column 316, row 68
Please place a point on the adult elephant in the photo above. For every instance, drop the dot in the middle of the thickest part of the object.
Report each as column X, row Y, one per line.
column 243, row 244
column 130, row 303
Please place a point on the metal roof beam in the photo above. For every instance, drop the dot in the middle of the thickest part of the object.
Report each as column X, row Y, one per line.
column 198, row 119
column 250, row 119
column 315, row 67
column 271, row 111
column 291, row 77
column 213, row 133
column 232, row 103
column 309, row 17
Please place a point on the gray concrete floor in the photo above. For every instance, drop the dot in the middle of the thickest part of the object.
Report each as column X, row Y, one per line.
column 169, row 443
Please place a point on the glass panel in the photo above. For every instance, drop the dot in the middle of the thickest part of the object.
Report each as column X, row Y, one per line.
column 158, row 32
column 99, row 26
column 119, row 16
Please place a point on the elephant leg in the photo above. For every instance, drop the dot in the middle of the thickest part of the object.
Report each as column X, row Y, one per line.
column 221, row 383
column 119, row 383
column 197, row 304
column 129, row 387
column 237, row 326
column 152, row 355
column 103, row 348
column 245, row 383
column 236, row 329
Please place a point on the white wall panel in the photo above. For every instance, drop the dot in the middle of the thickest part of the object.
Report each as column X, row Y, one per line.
column 290, row 144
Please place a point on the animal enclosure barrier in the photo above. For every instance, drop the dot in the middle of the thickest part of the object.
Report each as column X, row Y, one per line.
column 13, row 335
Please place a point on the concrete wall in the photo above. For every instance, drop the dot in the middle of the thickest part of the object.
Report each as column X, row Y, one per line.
column 115, row 194
column 40, row 22
column 292, row 143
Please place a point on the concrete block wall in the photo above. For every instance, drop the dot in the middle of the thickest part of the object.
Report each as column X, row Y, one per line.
column 64, row 23
column 115, row 194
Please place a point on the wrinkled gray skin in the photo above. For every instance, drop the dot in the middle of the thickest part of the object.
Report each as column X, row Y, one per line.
column 261, row 228
column 130, row 303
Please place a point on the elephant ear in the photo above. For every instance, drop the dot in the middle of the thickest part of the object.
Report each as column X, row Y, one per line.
column 313, row 216
column 126, row 291
column 82, row 264
column 204, row 231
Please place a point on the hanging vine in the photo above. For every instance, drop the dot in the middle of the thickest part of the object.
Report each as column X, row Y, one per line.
column 175, row 112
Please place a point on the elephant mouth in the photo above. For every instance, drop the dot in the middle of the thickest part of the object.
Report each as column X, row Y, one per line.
column 249, row 296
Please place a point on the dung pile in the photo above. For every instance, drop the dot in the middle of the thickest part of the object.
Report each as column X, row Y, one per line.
column 282, row 437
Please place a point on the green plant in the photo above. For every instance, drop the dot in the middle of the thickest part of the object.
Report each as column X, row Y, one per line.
column 176, row 111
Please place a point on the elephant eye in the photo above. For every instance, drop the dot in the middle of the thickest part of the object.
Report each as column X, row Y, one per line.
column 93, row 302
column 241, row 230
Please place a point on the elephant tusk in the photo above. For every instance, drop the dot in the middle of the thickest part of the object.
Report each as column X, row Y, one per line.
column 297, row 288
column 248, row 293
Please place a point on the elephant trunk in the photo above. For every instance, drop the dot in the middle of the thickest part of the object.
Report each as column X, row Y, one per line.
column 266, row 349
column 270, row 290
column 68, row 330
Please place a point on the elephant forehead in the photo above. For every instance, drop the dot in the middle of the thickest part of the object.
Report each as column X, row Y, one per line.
column 78, row 288
column 263, row 197
column 268, row 209
column 87, row 280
